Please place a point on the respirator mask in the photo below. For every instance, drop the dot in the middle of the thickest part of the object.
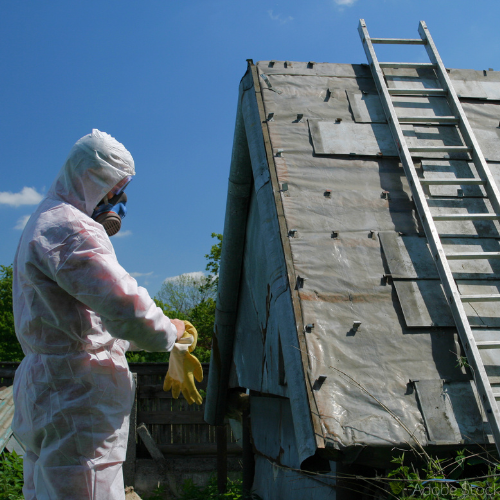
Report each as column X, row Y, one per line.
column 111, row 211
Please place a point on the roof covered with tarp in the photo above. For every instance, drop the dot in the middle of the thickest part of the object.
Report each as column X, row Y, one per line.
column 383, row 363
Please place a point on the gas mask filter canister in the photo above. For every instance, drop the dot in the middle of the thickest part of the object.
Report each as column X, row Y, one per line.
column 110, row 214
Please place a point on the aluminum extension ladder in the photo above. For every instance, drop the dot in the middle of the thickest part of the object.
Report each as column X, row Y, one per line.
column 487, row 395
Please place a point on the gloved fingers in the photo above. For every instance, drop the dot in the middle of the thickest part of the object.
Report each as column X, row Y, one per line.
column 187, row 396
column 195, row 396
column 198, row 372
column 189, row 388
column 176, row 389
column 192, row 395
column 194, row 366
column 191, row 330
column 167, row 383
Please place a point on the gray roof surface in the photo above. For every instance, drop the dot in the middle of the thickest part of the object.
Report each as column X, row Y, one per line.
column 346, row 195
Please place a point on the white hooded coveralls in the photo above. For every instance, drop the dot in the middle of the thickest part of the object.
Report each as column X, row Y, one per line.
column 76, row 310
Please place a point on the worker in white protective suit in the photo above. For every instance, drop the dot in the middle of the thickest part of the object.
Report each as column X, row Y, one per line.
column 76, row 312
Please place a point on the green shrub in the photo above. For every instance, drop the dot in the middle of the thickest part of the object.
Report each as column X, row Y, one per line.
column 11, row 476
column 209, row 492
column 467, row 476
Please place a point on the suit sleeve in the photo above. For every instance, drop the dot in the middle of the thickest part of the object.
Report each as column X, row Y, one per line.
column 85, row 266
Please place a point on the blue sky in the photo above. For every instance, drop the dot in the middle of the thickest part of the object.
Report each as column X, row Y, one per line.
column 162, row 77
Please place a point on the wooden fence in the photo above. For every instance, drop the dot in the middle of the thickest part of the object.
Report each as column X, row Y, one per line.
column 178, row 429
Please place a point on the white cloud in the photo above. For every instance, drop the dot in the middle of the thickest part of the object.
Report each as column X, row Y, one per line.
column 21, row 222
column 345, row 2
column 122, row 234
column 279, row 18
column 138, row 275
column 27, row 196
column 195, row 275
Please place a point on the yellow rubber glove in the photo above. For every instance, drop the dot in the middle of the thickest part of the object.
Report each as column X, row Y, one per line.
column 184, row 368
column 191, row 331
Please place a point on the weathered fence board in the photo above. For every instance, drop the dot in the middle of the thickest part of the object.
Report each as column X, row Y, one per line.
column 175, row 426
column 197, row 449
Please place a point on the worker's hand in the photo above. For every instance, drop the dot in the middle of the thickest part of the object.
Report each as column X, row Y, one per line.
column 181, row 327
column 184, row 368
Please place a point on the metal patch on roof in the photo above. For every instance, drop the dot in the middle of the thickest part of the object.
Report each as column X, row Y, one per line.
column 421, row 106
column 450, row 411
column 375, row 139
column 490, row 357
column 437, row 411
column 423, row 303
column 343, row 138
column 408, row 256
column 341, row 85
column 492, row 90
column 411, row 82
column 484, row 119
column 483, row 313
column 481, row 228
column 452, row 169
column 416, row 136
column 366, row 108
column 473, row 269
column 470, row 88
column 489, row 141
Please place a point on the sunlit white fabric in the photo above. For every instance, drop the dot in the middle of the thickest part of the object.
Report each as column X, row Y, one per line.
column 76, row 310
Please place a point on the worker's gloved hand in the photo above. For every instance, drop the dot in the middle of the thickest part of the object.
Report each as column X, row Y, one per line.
column 190, row 331
column 184, row 368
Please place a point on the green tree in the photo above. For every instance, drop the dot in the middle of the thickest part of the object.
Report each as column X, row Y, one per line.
column 212, row 280
column 185, row 292
column 10, row 349
column 192, row 298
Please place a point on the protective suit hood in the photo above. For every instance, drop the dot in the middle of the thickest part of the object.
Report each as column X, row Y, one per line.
column 95, row 164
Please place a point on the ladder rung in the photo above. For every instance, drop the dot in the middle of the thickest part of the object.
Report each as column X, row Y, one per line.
column 453, row 182
column 455, row 217
column 440, row 149
column 447, row 120
column 473, row 255
column 406, row 65
column 496, row 395
column 422, row 92
column 488, row 344
column 493, row 297
column 399, row 41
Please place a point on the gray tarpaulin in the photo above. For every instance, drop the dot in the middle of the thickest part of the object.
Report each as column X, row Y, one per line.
column 327, row 134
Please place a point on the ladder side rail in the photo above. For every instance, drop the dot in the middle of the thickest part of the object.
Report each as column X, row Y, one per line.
column 450, row 288
column 456, row 107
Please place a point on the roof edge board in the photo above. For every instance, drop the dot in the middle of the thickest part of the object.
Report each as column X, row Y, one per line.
column 238, row 197
column 264, row 155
